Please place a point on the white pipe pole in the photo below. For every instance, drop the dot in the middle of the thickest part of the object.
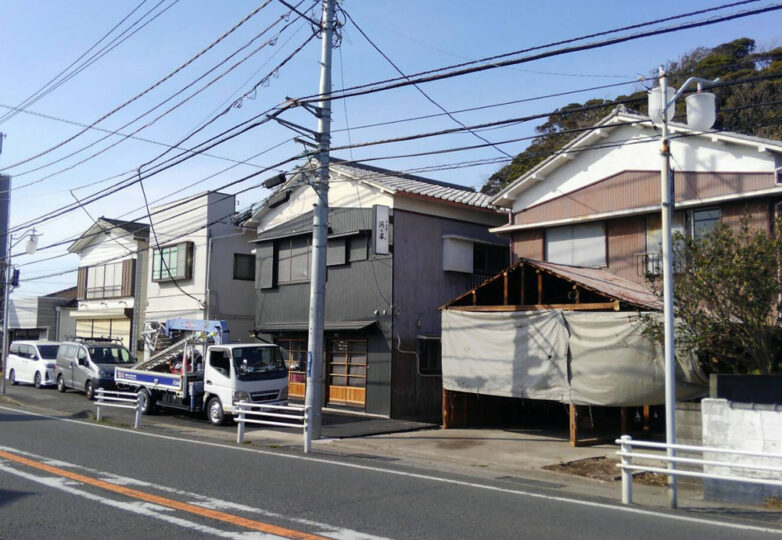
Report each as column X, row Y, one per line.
column 7, row 277
column 667, row 198
column 313, row 397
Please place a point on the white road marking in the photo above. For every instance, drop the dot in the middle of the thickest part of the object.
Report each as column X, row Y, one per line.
column 475, row 485
column 141, row 508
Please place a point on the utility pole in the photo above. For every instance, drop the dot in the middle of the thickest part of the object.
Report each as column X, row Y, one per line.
column 320, row 222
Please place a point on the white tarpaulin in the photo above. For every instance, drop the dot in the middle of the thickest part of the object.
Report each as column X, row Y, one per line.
column 519, row 354
column 588, row 358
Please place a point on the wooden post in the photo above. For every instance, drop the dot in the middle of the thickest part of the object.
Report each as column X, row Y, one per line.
column 521, row 300
column 505, row 288
column 646, row 426
column 578, row 294
column 474, row 298
column 445, row 409
column 573, row 425
column 540, row 287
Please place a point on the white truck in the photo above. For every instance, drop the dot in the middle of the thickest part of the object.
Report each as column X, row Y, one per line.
column 193, row 376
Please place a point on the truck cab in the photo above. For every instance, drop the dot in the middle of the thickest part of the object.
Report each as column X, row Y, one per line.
column 251, row 372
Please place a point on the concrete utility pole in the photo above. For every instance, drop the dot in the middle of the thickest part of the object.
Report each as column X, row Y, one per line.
column 320, row 222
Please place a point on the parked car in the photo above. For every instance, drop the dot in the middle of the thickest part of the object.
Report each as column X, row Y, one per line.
column 86, row 364
column 32, row 362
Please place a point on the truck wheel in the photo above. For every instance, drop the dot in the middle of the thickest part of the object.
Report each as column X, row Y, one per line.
column 61, row 384
column 147, row 402
column 214, row 412
column 12, row 377
column 89, row 390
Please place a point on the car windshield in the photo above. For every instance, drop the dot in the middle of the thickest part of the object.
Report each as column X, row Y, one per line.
column 110, row 354
column 256, row 362
column 48, row 352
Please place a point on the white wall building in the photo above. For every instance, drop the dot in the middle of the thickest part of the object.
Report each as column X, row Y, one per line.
column 110, row 289
column 202, row 265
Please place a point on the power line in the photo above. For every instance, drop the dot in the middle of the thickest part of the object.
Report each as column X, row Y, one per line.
column 417, row 87
column 49, row 86
column 390, row 84
column 149, row 88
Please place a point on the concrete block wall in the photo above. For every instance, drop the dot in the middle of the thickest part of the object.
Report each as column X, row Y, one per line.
column 689, row 427
column 741, row 426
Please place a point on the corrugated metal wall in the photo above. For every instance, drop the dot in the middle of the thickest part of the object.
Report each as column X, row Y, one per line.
column 529, row 244
column 626, row 239
column 420, row 287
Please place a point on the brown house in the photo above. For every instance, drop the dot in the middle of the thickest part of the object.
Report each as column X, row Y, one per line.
column 596, row 203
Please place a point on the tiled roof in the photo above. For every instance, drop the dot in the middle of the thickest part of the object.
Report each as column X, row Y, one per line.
column 416, row 185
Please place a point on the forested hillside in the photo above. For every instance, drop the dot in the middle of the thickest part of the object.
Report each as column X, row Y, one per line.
column 754, row 108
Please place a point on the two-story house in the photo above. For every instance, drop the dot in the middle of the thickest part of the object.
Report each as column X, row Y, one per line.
column 201, row 263
column 596, row 202
column 110, row 285
column 398, row 247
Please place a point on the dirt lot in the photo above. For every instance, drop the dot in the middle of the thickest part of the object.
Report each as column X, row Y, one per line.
column 604, row 469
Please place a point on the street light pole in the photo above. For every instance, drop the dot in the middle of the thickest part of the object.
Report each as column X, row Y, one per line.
column 8, row 272
column 313, row 399
column 701, row 115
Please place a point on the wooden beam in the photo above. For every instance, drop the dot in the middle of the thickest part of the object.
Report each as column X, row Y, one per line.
column 505, row 288
column 623, row 414
column 573, row 425
column 646, row 426
column 445, row 417
column 578, row 294
column 475, row 298
column 593, row 306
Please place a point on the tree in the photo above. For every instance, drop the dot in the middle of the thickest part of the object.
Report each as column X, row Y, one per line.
column 726, row 292
column 751, row 108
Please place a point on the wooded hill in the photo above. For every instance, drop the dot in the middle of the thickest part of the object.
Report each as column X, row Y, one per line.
column 753, row 108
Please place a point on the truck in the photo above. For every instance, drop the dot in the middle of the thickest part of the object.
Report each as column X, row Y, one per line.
column 201, row 372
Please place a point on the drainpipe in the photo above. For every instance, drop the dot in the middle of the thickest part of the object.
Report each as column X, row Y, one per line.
column 208, row 313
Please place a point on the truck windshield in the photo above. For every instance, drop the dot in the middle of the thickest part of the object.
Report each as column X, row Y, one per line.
column 48, row 352
column 111, row 354
column 254, row 363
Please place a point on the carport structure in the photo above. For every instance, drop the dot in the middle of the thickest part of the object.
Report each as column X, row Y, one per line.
column 546, row 331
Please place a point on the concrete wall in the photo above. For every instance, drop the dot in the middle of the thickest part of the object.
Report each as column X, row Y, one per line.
column 741, row 426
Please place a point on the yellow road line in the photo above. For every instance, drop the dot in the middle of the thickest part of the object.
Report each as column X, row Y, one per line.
column 163, row 501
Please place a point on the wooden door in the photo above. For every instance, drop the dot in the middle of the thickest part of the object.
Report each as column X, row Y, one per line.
column 347, row 372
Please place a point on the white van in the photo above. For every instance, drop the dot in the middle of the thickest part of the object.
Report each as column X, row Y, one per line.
column 32, row 362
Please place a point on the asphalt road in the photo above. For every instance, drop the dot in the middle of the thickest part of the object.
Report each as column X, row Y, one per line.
column 70, row 478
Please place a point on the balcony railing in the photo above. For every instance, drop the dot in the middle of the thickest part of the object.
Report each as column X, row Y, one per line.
column 111, row 291
column 474, row 280
column 650, row 264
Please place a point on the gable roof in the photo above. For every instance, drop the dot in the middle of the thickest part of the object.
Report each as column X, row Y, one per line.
column 619, row 117
column 139, row 231
column 392, row 182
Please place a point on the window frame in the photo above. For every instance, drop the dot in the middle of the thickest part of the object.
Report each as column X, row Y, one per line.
column 251, row 259
column 691, row 229
column 425, row 343
column 573, row 240
column 187, row 270
column 94, row 291
column 283, row 279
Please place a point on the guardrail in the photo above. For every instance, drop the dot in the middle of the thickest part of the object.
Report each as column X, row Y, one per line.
column 273, row 415
column 626, row 465
column 119, row 400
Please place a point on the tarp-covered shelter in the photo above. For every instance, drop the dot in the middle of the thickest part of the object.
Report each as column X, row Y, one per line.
column 546, row 331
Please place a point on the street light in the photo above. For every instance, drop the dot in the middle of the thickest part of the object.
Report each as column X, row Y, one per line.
column 701, row 114
column 30, row 247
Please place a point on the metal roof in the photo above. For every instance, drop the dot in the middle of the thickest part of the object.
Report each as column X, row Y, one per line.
column 397, row 182
column 602, row 281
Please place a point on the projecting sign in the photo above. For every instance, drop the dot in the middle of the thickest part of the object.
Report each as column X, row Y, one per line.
column 382, row 229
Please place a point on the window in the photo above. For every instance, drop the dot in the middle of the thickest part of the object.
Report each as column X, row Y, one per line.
column 294, row 351
column 348, row 363
column 220, row 360
column 703, row 221
column 293, row 259
column 244, row 267
column 578, row 245
column 651, row 261
column 104, row 281
column 489, row 259
column 429, row 356
column 173, row 262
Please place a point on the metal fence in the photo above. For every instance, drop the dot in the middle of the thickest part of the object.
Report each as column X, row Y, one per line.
column 273, row 415
column 668, row 464
column 119, row 400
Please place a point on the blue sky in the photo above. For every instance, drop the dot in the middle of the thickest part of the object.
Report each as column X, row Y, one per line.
column 40, row 38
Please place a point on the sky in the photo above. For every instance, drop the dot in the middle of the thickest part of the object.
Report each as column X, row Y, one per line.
column 40, row 38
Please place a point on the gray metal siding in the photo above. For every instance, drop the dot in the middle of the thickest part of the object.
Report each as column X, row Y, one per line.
column 420, row 287
column 353, row 292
